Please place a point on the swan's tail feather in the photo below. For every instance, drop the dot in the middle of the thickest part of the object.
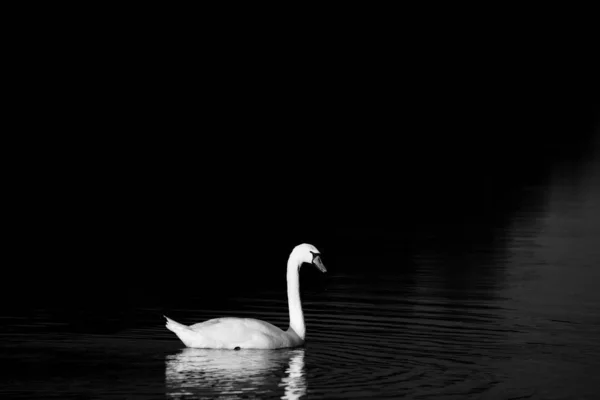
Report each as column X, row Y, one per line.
column 175, row 326
column 184, row 333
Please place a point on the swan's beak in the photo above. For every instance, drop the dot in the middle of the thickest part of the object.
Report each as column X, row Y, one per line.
column 319, row 264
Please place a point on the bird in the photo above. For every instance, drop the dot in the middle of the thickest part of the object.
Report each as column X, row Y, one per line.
column 249, row 333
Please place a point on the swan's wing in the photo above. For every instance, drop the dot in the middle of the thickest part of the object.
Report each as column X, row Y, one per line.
column 262, row 326
column 205, row 324
column 229, row 331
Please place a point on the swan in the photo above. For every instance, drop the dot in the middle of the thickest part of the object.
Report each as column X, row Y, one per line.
column 249, row 333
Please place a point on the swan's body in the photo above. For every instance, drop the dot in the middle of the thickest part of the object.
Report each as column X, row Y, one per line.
column 249, row 333
column 231, row 333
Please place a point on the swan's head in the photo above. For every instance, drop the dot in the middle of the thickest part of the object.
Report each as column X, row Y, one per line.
column 307, row 253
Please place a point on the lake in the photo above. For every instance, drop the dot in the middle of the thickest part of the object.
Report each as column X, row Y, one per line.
column 505, row 306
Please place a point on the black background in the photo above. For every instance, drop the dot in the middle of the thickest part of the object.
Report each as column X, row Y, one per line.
column 105, row 214
column 141, row 171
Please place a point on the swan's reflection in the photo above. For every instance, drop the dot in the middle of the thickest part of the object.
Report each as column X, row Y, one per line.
column 295, row 381
column 208, row 373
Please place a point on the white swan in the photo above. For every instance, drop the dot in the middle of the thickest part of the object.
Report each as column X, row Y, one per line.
column 248, row 333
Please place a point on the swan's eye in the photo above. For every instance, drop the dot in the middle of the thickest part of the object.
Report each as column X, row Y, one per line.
column 314, row 255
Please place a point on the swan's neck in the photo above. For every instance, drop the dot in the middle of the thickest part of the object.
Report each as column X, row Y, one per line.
column 293, row 292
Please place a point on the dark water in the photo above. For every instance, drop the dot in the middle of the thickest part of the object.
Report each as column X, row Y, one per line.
column 508, row 309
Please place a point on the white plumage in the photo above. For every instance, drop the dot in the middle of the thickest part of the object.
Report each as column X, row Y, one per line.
column 249, row 333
